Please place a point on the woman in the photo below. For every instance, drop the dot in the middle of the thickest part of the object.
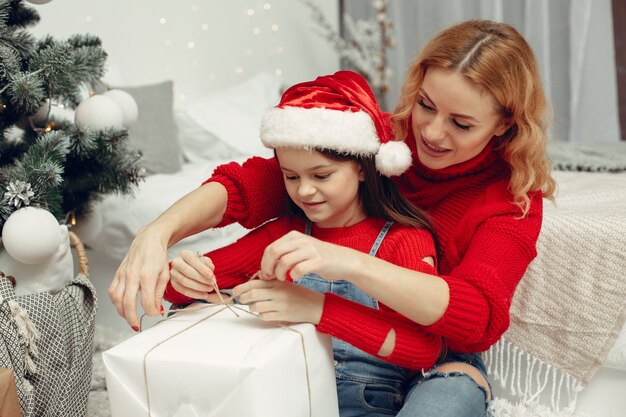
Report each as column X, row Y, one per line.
column 472, row 112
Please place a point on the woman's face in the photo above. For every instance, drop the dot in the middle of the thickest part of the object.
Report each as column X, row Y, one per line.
column 326, row 190
column 453, row 119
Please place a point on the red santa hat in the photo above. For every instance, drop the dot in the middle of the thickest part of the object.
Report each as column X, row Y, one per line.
column 336, row 112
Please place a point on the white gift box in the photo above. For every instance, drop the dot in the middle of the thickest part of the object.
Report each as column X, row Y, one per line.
column 210, row 363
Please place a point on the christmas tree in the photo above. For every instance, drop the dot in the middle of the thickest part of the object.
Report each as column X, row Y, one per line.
column 47, row 160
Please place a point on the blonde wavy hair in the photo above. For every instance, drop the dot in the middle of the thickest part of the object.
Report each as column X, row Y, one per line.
column 495, row 57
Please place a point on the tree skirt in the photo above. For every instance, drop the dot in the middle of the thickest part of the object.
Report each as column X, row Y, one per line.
column 106, row 338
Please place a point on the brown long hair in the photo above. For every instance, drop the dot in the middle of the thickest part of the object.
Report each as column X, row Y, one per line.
column 495, row 57
column 379, row 195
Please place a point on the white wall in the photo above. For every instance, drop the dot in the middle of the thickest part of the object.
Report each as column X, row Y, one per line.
column 203, row 45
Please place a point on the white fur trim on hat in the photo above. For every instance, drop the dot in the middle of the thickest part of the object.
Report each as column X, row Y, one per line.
column 341, row 131
column 393, row 158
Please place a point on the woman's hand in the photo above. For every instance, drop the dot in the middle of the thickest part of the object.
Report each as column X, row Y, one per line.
column 192, row 275
column 299, row 254
column 144, row 268
column 281, row 301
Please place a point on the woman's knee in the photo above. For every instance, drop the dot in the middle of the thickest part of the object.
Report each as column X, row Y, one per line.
column 447, row 391
column 467, row 369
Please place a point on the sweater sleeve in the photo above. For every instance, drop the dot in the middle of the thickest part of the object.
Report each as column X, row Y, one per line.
column 367, row 328
column 256, row 191
column 237, row 262
column 483, row 283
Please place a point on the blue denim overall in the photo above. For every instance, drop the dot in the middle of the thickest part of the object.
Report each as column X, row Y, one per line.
column 366, row 385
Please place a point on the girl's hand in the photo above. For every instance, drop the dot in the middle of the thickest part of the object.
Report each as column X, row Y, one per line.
column 192, row 275
column 281, row 301
column 298, row 254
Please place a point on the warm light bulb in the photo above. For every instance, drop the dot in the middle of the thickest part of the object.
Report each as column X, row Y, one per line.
column 88, row 18
column 239, row 70
column 275, row 27
column 267, row 6
column 162, row 20
column 250, row 12
column 256, row 31
column 278, row 72
column 191, row 45
column 205, row 26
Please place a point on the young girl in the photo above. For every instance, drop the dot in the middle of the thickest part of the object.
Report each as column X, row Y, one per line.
column 332, row 145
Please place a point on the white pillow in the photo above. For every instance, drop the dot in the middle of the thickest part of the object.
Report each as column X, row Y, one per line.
column 199, row 144
column 234, row 114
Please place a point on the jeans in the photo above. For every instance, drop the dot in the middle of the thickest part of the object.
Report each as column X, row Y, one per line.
column 431, row 394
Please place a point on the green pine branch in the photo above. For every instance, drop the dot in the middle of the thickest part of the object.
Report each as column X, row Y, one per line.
column 56, row 165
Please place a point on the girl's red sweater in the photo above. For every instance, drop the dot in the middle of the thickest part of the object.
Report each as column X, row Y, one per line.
column 485, row 247
column 363, row 327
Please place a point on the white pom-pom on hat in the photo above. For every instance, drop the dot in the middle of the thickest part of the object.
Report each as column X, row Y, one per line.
column 393, row 158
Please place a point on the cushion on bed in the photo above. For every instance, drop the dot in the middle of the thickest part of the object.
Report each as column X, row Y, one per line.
column 199, row 144
column 233, row 115
column 154, row 132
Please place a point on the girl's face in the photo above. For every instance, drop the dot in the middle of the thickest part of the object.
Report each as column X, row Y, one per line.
column 326, row 190
column 453, row 119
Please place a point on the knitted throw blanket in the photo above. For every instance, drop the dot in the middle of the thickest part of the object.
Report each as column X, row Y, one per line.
column 570, row 306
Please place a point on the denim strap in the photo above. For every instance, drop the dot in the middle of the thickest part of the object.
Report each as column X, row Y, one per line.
column 309, row 227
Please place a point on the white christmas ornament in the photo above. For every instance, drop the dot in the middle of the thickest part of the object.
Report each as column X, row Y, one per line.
column 127, row 104
column 39, row 1
column 52, row 275
column 99, row 112
column 31, row 235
